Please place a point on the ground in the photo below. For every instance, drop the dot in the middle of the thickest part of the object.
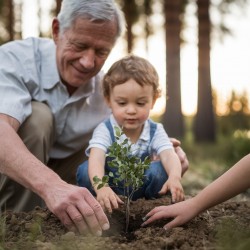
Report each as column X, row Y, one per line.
column 226, row 226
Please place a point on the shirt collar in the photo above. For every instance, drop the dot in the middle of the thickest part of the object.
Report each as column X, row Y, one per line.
column 145, row 134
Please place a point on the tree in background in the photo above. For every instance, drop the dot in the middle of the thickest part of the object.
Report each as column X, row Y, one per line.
column 172, row 118
column 10, row 23
column 131, row 13
column 204, row 123
column 58, row 6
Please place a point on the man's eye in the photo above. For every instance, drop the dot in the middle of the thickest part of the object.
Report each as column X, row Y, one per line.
column 78, row 48
column 102, row 53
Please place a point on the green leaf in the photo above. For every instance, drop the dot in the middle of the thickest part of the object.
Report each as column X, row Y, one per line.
column 117, row 131
column 96, row 179
column 105, row 179
column 100, row 186
column 111, row 174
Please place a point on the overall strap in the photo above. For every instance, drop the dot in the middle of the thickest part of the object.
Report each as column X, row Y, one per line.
column 153, row 126
column 110, row 129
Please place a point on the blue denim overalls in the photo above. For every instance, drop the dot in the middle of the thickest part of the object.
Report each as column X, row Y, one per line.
column 155, row 175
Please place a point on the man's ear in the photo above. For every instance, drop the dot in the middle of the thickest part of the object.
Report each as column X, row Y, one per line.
column 55, row 29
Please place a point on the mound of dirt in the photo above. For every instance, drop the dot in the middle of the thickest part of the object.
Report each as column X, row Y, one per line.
column 226, row 226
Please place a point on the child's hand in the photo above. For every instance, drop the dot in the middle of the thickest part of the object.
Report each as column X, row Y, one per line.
column 174, row 186
column 108, row 199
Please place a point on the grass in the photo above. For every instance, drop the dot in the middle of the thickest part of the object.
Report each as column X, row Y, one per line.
column 229, row 235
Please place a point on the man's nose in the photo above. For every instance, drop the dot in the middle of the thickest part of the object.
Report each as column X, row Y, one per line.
column 87, row 59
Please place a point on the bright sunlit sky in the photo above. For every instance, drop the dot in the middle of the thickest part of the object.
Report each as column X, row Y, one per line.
column 230, row 59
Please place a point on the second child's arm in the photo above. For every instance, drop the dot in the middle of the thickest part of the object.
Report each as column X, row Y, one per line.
column 171, row 163
column 231, row 183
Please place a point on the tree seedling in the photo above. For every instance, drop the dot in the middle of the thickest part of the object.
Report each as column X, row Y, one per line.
column 129, row 168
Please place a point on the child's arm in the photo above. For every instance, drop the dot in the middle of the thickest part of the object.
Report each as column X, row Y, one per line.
column 105, row 195
column 231, row 183
column 171, row 163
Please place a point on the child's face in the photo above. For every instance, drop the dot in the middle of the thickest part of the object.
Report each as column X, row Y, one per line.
column 131, row 104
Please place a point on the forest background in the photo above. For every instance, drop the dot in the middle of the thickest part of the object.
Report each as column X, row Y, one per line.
column 216, row 133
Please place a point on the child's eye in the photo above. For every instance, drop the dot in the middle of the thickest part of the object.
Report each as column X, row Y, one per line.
column 121, row 103
column 141, row 103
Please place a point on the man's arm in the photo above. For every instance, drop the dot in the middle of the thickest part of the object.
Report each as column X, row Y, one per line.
column 181, row 154
column 74, row 206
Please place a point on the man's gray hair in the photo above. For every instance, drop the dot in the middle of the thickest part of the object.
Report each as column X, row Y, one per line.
column 94, row 10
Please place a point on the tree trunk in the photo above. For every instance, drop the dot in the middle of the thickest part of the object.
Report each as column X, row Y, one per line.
column 58, row 6
column 173, row 118
column 204, row 124
column 129, row 9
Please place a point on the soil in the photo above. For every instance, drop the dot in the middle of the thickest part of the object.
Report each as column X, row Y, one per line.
column 226, row 226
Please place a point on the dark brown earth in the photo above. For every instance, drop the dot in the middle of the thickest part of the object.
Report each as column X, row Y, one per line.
column 226, row 226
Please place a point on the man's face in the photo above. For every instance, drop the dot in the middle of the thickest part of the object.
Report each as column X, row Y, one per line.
column 82, row 50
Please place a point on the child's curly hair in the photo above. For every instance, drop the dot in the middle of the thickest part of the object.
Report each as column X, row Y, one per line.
column 131, row 67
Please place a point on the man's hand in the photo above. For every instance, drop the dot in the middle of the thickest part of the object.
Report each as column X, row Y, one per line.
column 77, row 209
column 181, row 154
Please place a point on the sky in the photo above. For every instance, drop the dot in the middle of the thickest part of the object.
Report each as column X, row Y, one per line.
column 230, row 58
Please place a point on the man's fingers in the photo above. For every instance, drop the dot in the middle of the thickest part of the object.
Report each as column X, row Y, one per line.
column 90, row 218
column 98, row 211
column 183, row 159
column 77, row 220
column 175, row 142
column 68, row 223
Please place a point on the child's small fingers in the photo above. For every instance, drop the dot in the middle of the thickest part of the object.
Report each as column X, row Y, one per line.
column 108, row 205
column 174, row 197
column 181, row 196
column 119, row 200
column 114, row 202
column 163, row 190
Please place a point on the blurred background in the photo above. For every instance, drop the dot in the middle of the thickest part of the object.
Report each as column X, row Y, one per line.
column 201, row 50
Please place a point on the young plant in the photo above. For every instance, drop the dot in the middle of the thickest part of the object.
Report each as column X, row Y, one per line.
column 129, row 169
